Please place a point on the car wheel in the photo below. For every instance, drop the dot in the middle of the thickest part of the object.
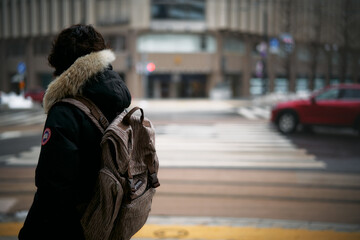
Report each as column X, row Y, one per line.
column 287, row 122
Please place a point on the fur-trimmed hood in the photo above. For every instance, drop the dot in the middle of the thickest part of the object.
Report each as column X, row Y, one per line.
column 71, row 82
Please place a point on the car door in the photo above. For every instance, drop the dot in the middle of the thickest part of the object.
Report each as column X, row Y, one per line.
column 324, row 108
column 349, row 102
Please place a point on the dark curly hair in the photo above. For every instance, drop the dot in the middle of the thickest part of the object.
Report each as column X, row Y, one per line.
column 72, row 43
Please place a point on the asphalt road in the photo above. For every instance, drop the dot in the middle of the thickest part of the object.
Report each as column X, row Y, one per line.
column 219, row 164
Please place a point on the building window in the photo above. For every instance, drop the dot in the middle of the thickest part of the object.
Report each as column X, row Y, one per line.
column 42, row 46
column 281, row 85
column 112, row 12
column 303, row 54
column 176, row 43
column 178, row 10
column 319, row 83
column 257, row 86
column 15, row 48
column 116, row 42
column 302, row 85
column 233, row 45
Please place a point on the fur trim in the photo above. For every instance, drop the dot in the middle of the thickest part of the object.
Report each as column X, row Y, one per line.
column 70, row 82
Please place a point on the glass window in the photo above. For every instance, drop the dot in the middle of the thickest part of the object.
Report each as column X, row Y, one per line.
column 350, row 94
column 234, row 45
column 302, row 85
column 319, row 83
column 335, row 58
column 176, row 43
column 257, row 86
column 16, row 48
column 42, row 45
column 303, row 54
column 348, row 80
column 178, row 10
column 281, row 85
column 334, row 81
column 111, row 12
column 328, row 95
column 116, row 43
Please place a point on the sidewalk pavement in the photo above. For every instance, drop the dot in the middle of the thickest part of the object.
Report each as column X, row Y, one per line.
column 189, row 105
column 162, row 227
column 183, row 227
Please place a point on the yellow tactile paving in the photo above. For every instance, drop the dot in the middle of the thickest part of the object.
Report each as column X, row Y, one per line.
column 152, row 231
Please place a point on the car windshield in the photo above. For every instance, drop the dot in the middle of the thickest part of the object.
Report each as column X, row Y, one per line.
column 328, row 94
column 350, row 94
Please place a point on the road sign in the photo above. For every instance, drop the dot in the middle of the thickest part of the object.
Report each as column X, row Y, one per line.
column 274, row 45
column 21, row 68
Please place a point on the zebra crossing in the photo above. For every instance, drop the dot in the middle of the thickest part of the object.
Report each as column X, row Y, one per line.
column 241, row 146
column 248, row 144
column 254, row 112
column 22, row 117
column 37, row 116
column 254, row 145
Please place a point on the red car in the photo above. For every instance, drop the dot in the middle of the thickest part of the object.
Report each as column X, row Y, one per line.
column 36, row 94
column 337, row 105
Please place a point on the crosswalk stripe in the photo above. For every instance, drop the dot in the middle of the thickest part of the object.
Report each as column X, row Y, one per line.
column 29, row 158
column 231, row 146
column 247, row 113
column 247, row 164
column 255, row 112
column 236, row 145
column 25, row 117
column 22, row 118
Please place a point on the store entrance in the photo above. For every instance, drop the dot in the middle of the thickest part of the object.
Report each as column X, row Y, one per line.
column 177, row 86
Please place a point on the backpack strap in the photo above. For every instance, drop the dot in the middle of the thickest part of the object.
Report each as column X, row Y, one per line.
column 90, row 109
column 150, row 161
column 126, row 119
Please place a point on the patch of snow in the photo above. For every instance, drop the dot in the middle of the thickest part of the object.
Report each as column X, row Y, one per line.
column 14, row 101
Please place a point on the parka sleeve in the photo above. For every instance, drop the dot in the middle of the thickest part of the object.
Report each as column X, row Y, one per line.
column 58, row 166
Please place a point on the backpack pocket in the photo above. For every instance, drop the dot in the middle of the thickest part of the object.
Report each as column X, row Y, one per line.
column 132, row 216
column 100, row 214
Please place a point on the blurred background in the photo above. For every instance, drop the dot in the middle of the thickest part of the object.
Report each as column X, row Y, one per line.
column 208, row 74
column 194, row 47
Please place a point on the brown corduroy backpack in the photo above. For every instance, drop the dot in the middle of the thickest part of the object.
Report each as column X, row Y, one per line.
column 128, row 177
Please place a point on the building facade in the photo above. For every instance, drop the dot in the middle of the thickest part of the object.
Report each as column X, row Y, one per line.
column 250, row 47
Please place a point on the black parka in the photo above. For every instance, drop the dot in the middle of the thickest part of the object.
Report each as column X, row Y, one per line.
column 69, row 160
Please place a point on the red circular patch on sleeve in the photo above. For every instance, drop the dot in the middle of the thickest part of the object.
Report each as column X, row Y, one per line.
column 46, row 136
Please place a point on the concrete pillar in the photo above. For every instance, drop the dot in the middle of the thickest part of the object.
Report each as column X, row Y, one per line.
column 89, row 12
column 4, row 82
column 54, row 15
column 34, row 18
column 29, row 61
column 216, row 76
column 14, row 19
column 76, row 12
column 271, row 67
column 44, row 17
column 174, row 85
column 65, row 14
column 24, row 18
column 247, row 67
column 292, row 72
column 133, row 79
column 5, row 19
column 157, row 89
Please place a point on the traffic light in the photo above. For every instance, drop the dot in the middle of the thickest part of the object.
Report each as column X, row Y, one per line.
column 150, row 67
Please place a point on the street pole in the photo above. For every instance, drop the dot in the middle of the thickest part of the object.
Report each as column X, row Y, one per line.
column 264, row 55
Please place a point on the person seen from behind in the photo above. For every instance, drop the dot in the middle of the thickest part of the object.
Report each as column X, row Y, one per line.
column 70, row 155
